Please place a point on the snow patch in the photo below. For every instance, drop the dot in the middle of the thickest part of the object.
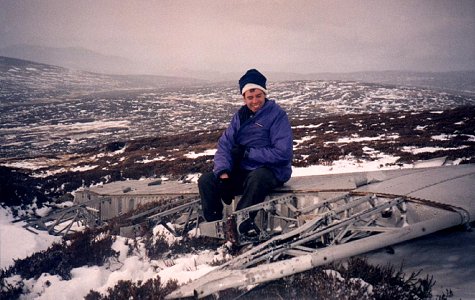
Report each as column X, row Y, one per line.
column 17, row 242
column 192, row 154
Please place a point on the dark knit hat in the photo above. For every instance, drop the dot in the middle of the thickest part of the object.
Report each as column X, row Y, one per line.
column 253, row 79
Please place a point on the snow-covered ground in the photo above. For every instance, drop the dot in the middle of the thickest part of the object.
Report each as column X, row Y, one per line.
column 48, row 110
column 448, row 256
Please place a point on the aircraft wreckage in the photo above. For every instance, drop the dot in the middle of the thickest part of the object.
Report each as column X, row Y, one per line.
column 310, row 221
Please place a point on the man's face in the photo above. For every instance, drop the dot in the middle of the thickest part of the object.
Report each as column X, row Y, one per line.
column 254, row 99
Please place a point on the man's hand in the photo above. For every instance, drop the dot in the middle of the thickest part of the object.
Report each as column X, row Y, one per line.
column 226, row 189
column 237, row 153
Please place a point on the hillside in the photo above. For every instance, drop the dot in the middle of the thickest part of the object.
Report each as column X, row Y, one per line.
column 58, row 130
column 87, row 60
column 30, row 82
column 71, row 58
column 48, row 110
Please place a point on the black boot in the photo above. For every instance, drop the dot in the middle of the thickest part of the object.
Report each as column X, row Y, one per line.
column 249, row 229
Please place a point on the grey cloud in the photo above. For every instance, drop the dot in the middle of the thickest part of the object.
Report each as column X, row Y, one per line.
column 296, row 36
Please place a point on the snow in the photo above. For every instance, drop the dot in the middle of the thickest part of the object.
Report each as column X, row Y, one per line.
column 43, row 174
column 441, row 255
column 147, row 160
column 364, row 139
column 302, row 140
column 75, row 128
column 192, row 154
column 348, row 165
column 447, row 137
column 16, row 242
column 416, row 150
column 309, row 126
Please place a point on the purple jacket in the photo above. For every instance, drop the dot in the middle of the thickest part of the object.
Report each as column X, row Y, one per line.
column 268, row 140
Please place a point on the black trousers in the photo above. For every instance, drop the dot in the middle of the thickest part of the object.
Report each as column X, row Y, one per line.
column 254, row 186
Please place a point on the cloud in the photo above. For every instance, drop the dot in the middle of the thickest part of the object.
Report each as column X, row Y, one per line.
column 298, row 36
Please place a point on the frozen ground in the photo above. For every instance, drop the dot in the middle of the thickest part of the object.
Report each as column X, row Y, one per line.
column 48, row 110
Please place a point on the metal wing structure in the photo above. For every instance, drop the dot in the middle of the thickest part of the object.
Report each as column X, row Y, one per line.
column 316, row 220
column 311, row 221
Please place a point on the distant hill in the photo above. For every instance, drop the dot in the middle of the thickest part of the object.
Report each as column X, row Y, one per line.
column 460, row 81
column 23, row 80
column 87, row 60
column 71, row 58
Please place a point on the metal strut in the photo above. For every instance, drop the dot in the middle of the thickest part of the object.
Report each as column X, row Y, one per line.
column 309, row 230
column 60, row 222
column 178, row 215
column 323, row 232
column 353, row 218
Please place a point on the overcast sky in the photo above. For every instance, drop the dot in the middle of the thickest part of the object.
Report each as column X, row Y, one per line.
column 230, row 35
